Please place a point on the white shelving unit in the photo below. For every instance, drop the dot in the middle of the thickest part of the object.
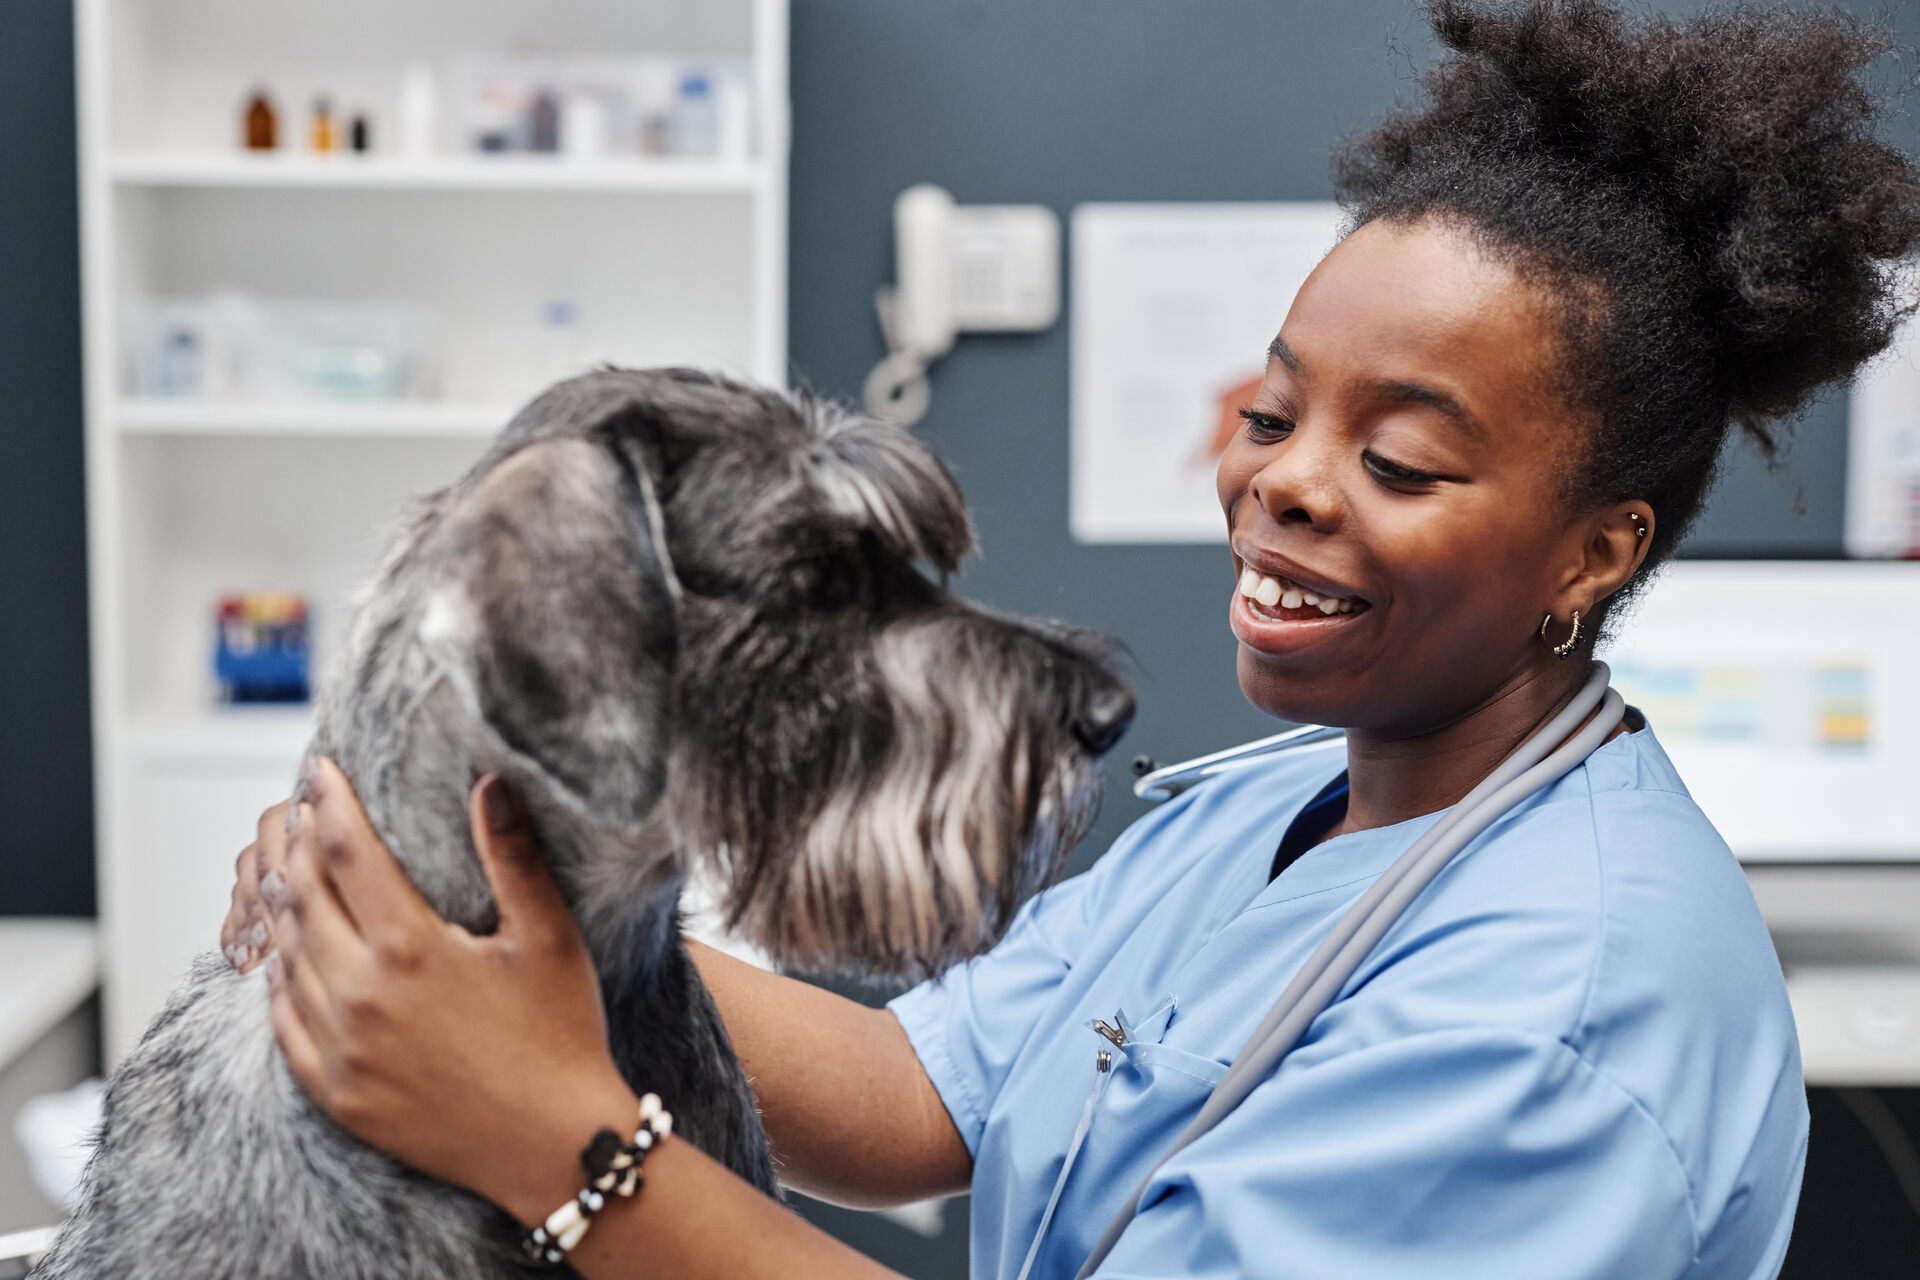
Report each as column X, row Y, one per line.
column 134, row 169
column 666, row 259
column 169, row 416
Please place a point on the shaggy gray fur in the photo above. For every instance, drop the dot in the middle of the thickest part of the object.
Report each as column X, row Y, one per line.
column 688, row 620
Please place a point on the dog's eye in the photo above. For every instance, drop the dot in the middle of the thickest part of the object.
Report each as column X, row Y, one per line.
column 828, row 584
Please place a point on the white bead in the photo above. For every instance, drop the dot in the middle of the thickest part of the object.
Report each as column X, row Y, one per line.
column 643, row 1139
column 664, row 1125
column 573, row 1235
column 649, row 1106
column 596, row 1201
column 563, row 1219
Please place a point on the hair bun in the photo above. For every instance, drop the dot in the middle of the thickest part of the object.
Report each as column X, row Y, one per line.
column 1745, row 138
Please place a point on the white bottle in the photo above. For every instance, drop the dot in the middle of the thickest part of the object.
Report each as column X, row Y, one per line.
column 419, row 114
column 736, row 119
column 696, row 117
column 558, row 352
column 583, row 127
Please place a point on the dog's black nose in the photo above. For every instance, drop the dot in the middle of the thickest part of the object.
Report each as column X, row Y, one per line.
column 1103, row 719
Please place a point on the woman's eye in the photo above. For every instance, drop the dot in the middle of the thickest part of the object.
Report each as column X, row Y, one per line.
column 1265, row 428
column 1391, row 472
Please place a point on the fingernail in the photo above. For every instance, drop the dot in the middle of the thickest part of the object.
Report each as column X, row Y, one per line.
column 290, row 820
column 276, row 970
column 238, row 955
column 258, row 935
column 502, row 807
column 273, row 889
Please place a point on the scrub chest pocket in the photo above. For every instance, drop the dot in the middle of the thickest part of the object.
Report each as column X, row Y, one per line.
column 1137, row 1078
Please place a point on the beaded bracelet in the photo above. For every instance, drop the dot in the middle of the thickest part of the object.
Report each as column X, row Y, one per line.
column 613, row 1168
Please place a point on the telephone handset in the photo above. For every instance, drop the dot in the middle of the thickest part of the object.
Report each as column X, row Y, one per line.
column 958, row 268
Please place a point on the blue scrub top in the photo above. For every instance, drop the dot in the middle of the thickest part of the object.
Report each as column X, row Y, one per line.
column 1573, row 1056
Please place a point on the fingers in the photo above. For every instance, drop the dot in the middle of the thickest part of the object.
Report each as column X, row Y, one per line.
column 290, row 1029
column 270, row 853
column 314, row 928
column 246, row 934
column 375, row 893
column 300, row 984
column 527, row 898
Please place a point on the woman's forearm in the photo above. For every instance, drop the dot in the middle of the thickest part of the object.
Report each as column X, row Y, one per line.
column 692, row 1218
column 851, row 1114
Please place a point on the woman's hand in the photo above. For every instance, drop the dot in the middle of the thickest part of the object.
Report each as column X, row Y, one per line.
column 480, row 1060
column 259, row 882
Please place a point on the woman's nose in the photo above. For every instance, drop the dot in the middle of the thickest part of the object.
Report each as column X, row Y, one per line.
column 1293, row 486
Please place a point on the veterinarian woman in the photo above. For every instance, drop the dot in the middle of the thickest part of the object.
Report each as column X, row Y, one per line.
column 1601, row 245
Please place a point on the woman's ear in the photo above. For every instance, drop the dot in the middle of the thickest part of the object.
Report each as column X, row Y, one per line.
column 1615, row 547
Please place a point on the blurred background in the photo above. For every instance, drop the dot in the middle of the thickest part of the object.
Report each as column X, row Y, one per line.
column 267, row 269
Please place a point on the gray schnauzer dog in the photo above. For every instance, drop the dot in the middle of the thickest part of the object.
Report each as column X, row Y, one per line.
column 691, row 622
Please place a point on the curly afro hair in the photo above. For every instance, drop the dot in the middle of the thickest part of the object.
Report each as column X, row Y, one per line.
column 1706, row 199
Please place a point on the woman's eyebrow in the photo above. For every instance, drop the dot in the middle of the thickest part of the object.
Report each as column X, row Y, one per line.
column 1399, row 391
column 1448, row 406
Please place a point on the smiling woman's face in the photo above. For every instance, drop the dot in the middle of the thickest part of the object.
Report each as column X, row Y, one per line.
column 1402, row 464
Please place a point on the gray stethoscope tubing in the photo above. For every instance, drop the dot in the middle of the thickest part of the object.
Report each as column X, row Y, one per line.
column 1165, row 784
column 1536, row 765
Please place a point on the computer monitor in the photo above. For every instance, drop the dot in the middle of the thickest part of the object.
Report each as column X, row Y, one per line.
column 1788, row 695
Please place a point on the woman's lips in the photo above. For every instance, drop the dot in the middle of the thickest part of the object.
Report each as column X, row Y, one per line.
column 1272, row 615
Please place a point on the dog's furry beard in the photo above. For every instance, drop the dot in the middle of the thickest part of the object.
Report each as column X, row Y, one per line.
column 918, row 858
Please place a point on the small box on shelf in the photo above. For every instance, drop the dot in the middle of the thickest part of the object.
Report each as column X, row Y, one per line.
column 260, row 649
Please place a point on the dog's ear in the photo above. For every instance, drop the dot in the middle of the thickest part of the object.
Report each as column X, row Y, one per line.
column 884, row 480
column 558, row 617
column 670, row 414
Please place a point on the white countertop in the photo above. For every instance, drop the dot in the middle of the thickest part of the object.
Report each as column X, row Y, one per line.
column 48, row 966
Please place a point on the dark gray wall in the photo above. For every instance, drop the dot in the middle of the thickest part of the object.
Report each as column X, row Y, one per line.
column 46, row 792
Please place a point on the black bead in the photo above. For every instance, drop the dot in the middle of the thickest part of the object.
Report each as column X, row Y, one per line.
column 598, row 1154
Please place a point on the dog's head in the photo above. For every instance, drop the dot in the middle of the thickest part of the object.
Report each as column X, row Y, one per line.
column 700, row 620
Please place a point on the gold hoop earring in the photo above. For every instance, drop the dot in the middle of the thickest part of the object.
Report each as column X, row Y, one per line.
column 1562, row 650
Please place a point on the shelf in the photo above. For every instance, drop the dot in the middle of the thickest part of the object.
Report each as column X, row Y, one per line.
column 667, row 260
column 435, row 173
column 406, row 419
column 222, row 735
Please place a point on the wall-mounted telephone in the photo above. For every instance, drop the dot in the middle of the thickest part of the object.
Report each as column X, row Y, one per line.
column 958, row 268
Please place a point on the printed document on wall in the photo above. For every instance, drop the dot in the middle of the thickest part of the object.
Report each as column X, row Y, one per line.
column 1883, row 454
column 1173, row 308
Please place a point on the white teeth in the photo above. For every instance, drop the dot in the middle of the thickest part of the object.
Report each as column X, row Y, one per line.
column 1269, row 592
